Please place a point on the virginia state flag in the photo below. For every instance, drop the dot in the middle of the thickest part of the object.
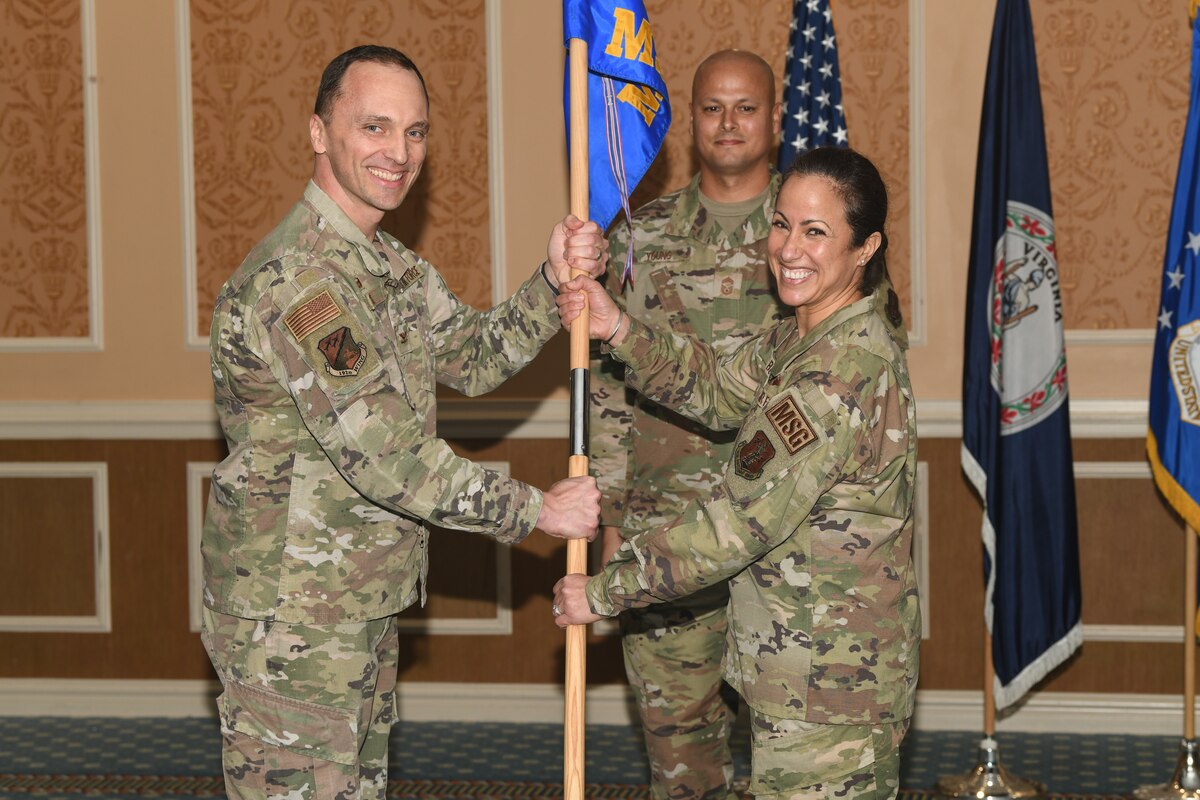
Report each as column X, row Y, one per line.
column 628, row 109
column 1016, row 431
column 1173, row 442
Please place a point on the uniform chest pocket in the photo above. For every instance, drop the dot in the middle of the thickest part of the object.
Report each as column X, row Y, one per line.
column 406, row 321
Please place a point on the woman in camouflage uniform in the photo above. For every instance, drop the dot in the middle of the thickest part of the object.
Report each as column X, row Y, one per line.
column 813, row 523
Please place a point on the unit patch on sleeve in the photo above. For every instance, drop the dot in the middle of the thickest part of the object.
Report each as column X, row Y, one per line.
column 312, row 315
column 752, row 455
column 343, row 355
column 790, row 424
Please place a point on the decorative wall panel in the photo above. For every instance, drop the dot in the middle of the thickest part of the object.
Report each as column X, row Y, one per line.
column 873, row 57
column 54, row 524
column 255, row 68
column 44, row 282
column 1114, row 80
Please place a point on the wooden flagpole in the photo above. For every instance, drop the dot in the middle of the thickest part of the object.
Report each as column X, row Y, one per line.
column 576, row 668
column 989, row 687
column 1189, row 636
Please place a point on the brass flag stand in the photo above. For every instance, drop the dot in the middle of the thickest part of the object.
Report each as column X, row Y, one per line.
column 1185, row 783
column 575, row 684
column 989, row 779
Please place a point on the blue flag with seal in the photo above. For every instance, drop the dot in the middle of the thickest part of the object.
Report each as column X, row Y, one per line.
column 629, row 112
column 1016, row 428
column 1173, row 441
column 813, row 114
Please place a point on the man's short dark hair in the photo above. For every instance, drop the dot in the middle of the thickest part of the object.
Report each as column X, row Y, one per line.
column 331, row 79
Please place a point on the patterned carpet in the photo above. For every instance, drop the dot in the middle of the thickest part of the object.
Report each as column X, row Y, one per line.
column 70, row 758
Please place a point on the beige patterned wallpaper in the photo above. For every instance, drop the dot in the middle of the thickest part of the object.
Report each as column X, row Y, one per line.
column 1114, row 79
column 873, row 58
column 43, row 183
column 255, row 69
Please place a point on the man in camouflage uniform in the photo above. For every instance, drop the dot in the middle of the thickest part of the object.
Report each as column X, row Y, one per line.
column 325, row 346
column 701, row 270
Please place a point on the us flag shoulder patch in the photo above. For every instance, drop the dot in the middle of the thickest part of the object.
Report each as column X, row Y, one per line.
column 312, row 315
column 789, row 422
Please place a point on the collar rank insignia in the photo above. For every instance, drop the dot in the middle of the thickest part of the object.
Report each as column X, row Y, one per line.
column 752, row 455
column 343, row 355
column 790, row 424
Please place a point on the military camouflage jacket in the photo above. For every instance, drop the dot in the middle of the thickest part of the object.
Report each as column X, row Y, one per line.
column 813, row 522
column 325, row 348
column 693, row 278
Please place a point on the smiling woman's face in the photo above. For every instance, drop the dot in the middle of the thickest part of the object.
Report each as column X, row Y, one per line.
column 817, row 268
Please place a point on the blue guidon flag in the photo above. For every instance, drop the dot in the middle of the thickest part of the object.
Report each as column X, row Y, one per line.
column 1173, row 441
column 629, row 113
column 813, row 114
column 1016, row 430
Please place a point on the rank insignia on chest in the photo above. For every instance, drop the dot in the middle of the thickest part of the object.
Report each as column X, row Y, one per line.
column 790, row 424
column 312, row 315
column 343, row 355
column 752, row 455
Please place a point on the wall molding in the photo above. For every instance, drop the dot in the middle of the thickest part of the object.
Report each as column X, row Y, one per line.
column 1090, row 419
column 916, row 172
column 89, row 81
column 1168, row 634
column 101, row 621
column 920, row 546
column 197, row 471
column 1142, row 337
column 462, row 418
column 495, row 122
column 187, row 176
column 611, row 704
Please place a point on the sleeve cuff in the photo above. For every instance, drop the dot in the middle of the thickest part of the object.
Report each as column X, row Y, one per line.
column 524, row 511
column 598, row 600
column 636, row 344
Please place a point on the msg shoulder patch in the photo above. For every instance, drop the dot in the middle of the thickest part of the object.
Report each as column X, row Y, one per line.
column 788, row 421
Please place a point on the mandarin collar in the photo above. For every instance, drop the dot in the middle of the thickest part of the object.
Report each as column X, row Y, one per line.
column 875, row 303
column 333, row 215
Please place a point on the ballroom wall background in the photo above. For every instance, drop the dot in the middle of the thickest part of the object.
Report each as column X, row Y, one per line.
column 145, row 145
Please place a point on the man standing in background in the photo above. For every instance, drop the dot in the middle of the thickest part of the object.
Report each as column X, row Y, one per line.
column 701, row 270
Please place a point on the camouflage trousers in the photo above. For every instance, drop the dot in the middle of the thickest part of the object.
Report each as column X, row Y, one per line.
column 306, row 710
column 673, row 663
column 796, row 760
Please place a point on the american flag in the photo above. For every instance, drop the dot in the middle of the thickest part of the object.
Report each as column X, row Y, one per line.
column 812, row 89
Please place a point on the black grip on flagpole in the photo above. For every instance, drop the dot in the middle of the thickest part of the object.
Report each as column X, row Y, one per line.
column 579, row 411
